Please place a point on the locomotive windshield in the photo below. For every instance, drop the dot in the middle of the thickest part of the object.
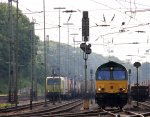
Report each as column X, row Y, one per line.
column 119, row 75
column 111, row 74
column 103, row 75
column 52, row 81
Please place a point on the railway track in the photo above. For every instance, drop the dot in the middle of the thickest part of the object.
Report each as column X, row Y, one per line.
column 48, row 111
column 19, row 108
column 99, row 113
column 23, row 104
column 67, row 109
column 124, row 113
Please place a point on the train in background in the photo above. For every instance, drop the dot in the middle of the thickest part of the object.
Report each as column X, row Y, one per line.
column 57, row 87
column 111, row 85
column 61, row 88
column 66, row 88
column 139, row 93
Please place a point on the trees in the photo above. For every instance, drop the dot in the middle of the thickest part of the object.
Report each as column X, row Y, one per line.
column 8, row 33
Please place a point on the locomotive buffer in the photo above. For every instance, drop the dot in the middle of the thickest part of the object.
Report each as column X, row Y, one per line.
column 86, row 50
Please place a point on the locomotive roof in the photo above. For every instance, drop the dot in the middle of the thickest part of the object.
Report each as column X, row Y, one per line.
column 111, row 64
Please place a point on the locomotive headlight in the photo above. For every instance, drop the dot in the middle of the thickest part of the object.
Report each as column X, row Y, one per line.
column 99, row 89
column 122, row 89
column 48, row 91
column 111, row 68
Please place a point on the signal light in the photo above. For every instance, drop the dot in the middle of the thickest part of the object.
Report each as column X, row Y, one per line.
column 85, row 26
column 86, row 48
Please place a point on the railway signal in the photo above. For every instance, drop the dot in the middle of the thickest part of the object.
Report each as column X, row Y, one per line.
column 129, row 86
column 85, row 26
column 86, row 48
column 137, row 65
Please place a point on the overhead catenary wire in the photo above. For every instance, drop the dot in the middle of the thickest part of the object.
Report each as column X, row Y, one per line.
column 122, row 29
column 115, row 10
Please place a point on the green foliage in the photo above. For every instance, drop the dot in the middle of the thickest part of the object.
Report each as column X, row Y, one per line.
column 3, row 85
column 7, row 43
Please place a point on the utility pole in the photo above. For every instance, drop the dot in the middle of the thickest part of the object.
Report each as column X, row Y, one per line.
column 53, row 74
column 47, row 55
column 32, row 63
column 86, row 50
column 68, row 43
column 91, row 72
column 59, row 8
column 10, row 47
column 12, row 43
column 16, row 59
column 68, row 53
column 74, row 34
column 31, row 90
column 137, row 65
column 79, row 52
column 68, row 24
column 45, row 60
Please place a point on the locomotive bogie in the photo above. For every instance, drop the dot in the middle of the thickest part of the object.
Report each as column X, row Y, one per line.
column 111, row 93
column 111, row 100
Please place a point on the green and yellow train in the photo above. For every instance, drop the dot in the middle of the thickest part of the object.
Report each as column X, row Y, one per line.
column 111, row 85
column 57, row 88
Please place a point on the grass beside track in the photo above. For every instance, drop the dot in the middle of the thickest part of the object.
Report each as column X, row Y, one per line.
column 6, row 105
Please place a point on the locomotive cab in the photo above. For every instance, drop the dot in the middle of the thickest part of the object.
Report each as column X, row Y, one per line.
column 111, row 85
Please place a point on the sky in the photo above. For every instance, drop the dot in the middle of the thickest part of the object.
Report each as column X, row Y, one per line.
column 126, row 35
